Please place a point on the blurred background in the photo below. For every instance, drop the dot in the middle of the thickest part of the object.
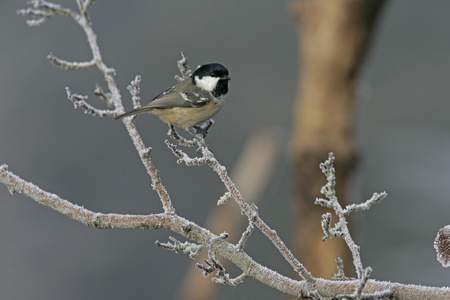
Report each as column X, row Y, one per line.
column 403, row 140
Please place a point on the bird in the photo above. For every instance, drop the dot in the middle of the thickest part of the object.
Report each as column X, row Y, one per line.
column 192, row 101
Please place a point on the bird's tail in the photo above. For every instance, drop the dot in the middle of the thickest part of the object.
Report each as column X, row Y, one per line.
column 133, row 112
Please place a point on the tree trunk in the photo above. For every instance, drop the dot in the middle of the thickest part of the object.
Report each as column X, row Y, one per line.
column 333, row 38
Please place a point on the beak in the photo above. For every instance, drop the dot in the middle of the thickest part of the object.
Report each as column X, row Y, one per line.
column 226, row 77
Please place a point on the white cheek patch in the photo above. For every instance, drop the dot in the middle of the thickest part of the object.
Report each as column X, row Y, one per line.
column 207, row 83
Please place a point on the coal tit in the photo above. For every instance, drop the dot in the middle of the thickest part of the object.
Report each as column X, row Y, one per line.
column 192, row 101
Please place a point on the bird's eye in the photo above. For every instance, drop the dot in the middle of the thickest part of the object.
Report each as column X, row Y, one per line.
column 213, row 74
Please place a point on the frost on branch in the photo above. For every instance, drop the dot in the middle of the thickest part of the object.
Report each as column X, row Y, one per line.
column 67, row 65
column 340, row 229
column 442, row 246
column 340, row 274
column 245, row 235
column 181, row 140
column 212, row 264
column 224, row 199
column 80, row 102
column 193, row 249
column 134, row 89
column 184, row 68
column 250, row 211
column 42, row 11
column 183, row 158
column 105, row 96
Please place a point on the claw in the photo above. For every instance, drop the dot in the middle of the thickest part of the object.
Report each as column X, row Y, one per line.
column 201, row 130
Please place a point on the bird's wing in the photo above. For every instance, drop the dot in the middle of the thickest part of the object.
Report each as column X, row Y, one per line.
column 173, row 97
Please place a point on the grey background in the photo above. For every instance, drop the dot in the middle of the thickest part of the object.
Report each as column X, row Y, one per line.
column 403, row 135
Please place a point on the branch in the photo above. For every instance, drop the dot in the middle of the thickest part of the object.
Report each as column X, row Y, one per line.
column 251, row 172
column 224, row 199
column 67, row 65
column 376, row 197
column 43, row 10
column 134, row 89
column 340, row 274
column 245, row 235
column 183, row 158
column 193, row 249
column 86, row 217
column 80, row 102
column 170, row 221
column 249, row 210
column 359, row 295
column 181, row 140
column 252, row 269
column 83, row 21
column 340, row 229
column 103, row 95
column 83, row 5
column 213, row 264
column 185, row 71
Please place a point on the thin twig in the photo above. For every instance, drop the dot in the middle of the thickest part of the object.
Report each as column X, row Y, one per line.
column 67, row 65
column 181, row 140
column 184, row 68
column 80, row 102
column 340, row 275
column 247, row 209
column 224, row 199
column 340, row 229
column 98, row 91
column 193, row 249
column 212, row 264
column 43, row 10
column 245, row 235
column 134, row 89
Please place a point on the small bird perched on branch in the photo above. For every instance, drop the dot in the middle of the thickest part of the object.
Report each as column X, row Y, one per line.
column 192, row 101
